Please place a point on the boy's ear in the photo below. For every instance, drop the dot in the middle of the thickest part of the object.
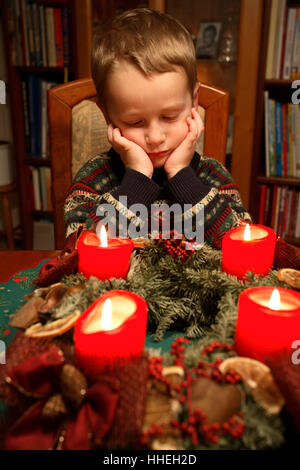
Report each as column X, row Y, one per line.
column 196, row 95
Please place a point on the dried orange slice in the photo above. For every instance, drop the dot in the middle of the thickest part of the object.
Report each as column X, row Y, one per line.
column 259, row 380
column 55, row 328
column 290, row 276
column 140, row 242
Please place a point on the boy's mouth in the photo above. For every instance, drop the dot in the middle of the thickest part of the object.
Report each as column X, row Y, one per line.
column 157, row 154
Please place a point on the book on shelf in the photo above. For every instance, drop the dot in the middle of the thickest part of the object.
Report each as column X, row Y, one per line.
column 283, row 46
column 39, row 34
column 289, row 43
column 271, row 40
column 58, row 34
column 262, row 202
column 35, row 108
column 50, row 36
column 36, row 189
column 267, row 133
column 26, row 115
column 285, row 170
column 297, row 218
column 279, row 37
column 41, row 188
column 282, row 138
column 296, row 49
column 24, row 35
column 288, row 212
column 42, row 30
column 66, row 36
column 30, row 35
column 267, row 206
column 34, row 111
column 278, row 138
column 279, row 208
column 293, row 213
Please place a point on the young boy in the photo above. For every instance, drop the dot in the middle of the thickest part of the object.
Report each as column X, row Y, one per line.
column 144, row 70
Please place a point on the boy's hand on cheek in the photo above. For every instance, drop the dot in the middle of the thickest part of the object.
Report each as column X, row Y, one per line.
column 132, row 155
column 183, row 154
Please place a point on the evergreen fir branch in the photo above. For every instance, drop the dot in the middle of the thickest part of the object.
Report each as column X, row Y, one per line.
column 262, row 431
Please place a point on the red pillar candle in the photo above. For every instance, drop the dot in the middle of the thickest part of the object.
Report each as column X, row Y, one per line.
column 268, row 321
column 103, row 258
column 248, row 248
column 112, row 329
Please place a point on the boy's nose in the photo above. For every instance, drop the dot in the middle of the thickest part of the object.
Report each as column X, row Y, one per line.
column 155, row 136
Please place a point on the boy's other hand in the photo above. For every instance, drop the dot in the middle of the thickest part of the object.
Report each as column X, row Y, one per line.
column 132, row 155
column 183, row 154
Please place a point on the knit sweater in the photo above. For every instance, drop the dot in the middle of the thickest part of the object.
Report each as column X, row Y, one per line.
column 204, row 184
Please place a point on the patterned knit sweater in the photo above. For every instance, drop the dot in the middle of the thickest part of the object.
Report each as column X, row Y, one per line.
column 205, row 183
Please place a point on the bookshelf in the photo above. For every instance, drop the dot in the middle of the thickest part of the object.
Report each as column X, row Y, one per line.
column 275, row 174
column 41, row 39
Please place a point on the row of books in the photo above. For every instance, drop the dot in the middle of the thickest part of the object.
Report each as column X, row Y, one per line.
column 283, row 53
column 282, row 138
column 39, row 34
column 40, row 191
column 279, row 208
column 35, row 107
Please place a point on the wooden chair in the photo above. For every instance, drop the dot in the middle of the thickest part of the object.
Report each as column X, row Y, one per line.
column 64, row 99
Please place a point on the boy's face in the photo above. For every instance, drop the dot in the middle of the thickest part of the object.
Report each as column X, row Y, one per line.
column 150, row 111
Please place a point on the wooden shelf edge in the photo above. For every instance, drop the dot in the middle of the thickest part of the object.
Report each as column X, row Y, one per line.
column 37, row 161
column 269, row 82
column 36, row 213
column 281, row 180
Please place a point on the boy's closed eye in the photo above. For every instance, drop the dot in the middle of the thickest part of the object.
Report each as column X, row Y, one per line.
column 141, row 122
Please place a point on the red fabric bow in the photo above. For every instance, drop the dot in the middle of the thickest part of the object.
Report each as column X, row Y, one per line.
column 81, row 430
column 64, row 264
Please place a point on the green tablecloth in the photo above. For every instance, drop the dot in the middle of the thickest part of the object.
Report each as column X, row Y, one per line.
column 12, row 295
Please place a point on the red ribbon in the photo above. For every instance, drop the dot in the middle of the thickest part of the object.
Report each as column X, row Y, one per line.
column 84, row 430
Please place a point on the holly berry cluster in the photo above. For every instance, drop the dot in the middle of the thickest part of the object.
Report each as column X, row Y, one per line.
column 210, row 433
column 176, row 245
column 195, row 426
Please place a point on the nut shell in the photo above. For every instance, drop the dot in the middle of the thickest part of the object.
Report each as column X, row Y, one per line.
column 55, row 408
column 73, row 385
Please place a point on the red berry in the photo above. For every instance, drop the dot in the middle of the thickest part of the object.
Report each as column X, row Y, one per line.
column 182, row 399
column 192, row 420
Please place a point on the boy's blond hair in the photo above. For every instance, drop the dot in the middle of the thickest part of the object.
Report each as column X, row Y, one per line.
column 154, row 42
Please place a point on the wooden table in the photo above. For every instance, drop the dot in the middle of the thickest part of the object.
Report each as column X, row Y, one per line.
column 13, row 261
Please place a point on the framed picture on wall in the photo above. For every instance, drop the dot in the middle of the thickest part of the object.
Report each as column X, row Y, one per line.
column 208, row 40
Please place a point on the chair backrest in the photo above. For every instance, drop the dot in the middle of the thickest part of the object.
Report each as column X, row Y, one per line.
column 77, row 132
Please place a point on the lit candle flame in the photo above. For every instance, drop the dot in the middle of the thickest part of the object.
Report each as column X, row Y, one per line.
column 247, row 233
column 103, row 237
column 106, row 317
column 274, row 302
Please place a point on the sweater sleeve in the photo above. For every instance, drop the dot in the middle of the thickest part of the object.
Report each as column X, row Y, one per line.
column 96, row 191
column 210, row 199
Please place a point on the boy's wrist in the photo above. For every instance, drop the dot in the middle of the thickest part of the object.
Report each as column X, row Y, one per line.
column 147, row 173
column 171, row 173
